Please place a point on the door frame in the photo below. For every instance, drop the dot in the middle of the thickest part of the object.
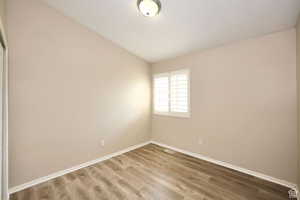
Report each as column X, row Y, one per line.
column 4, row 181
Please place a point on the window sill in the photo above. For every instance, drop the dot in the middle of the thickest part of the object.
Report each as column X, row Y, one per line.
column 177, row 115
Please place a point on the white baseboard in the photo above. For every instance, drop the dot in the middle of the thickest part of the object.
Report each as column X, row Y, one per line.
column 63, row 172
column 221, row 163
column 240, row 169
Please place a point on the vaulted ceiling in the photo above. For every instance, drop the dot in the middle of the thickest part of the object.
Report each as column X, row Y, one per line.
column 182, row 26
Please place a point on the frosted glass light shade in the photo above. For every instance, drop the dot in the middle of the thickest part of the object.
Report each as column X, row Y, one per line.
column 149, row 8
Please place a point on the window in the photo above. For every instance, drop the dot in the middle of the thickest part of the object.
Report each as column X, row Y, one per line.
column 171, row 93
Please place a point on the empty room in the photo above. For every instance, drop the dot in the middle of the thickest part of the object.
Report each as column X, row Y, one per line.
column 149, row 100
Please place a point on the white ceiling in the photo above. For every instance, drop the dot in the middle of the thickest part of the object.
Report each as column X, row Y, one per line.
column 183, row 25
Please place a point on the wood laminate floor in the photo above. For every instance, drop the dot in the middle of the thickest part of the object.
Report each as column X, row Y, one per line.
column 154, row 173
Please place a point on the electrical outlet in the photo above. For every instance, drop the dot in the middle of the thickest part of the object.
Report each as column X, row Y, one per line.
column 102, row 143
column 200, row 141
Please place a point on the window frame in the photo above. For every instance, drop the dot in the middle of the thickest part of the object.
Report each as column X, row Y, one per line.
column 170, row 113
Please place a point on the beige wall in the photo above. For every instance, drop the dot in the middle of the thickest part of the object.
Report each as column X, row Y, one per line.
column 298, row 89
column 2, row 10
column 69, row 89
column 2, row 20
column 243, row 99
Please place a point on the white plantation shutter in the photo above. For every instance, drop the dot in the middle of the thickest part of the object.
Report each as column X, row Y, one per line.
column 179, row 96
column 161, row 93
column 171, row 93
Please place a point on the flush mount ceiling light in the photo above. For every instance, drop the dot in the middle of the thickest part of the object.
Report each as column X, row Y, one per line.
column 149, row 8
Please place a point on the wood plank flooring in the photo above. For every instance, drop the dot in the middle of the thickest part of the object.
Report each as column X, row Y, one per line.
column 154, row 173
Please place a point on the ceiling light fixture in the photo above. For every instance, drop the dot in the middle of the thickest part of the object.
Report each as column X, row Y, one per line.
column 149, row 8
